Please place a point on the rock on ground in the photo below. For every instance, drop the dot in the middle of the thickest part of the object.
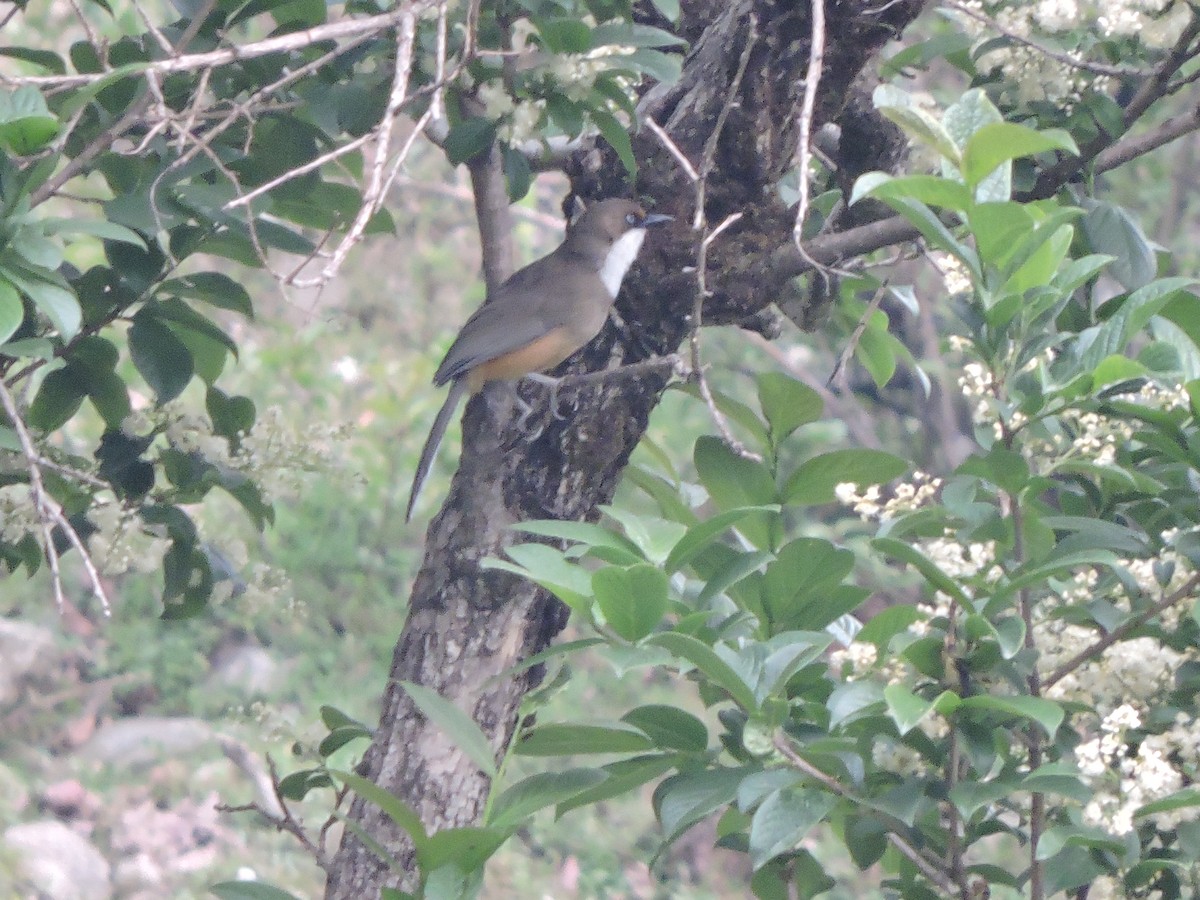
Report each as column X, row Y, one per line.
column 57, row 862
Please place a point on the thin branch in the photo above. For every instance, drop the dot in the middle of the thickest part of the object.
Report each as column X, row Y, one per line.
column 673, row 149
column 296, row 40
column 286, row 821
column 933, row 869
column 50, row 512
column 1065, row 58
column 375, row 193
column 700, row 223
column 671, row 362
column 1120, row 633
column 848, row 351
column 812, row 81
column 291, row 174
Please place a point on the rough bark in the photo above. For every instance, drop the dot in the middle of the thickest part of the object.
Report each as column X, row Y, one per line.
column 468, row 625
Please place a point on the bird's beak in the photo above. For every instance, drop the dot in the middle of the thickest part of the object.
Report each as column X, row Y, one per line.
column 656, row 219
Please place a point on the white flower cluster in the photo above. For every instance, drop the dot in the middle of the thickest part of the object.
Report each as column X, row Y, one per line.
column 1125, row 781
column 572, row 74
column 907, row 496
column 122, row 542
column 959, row 560
column 955, row 276
column 854, row 661
column 1037, row 75
column 979, row 388
column 274, row 453
column 18, row 514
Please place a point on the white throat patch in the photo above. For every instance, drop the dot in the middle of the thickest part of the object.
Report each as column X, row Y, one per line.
column 620, row 257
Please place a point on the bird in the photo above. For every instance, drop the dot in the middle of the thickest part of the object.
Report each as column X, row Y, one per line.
column 542, row 314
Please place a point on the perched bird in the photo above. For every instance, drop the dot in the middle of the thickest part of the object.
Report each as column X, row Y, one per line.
column 542, row 314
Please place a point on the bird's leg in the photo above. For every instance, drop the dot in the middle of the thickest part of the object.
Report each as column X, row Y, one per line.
column 553, row 383
column 526, row 412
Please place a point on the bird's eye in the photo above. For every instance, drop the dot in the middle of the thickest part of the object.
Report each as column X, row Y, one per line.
column 632, row 220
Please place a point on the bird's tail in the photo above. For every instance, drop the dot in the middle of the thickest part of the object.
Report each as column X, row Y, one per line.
column 457, row 388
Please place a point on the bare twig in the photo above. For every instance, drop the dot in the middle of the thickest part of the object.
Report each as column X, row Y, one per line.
column 283, row 821
column 931, row 868
column 295, row 40
column 707, row 236
column 1065, row 58
column 812, row 81
column 848, row 351
column 50, row 512
column 1120, row 633
column 375, row 193
column 672, row 361
column 673, row 149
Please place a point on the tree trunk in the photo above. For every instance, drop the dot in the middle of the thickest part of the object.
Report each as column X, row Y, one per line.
column 468, row 625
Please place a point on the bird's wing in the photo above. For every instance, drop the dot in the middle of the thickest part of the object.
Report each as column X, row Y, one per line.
column 513, row 317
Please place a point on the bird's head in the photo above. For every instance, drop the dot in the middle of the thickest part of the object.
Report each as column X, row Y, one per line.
column 611, row 233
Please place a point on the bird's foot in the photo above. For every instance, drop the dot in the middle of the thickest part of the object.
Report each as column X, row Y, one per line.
column 553, row 383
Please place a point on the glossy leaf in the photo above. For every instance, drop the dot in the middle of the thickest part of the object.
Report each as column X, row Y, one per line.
column 455, row 724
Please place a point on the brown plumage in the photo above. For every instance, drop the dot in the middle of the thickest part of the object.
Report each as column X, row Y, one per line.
column 542, row 314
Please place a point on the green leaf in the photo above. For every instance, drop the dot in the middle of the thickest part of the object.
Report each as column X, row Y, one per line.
column 160, row 357
column 518, row 176
column 787, row 403
column 57, row 400
column 468, row 848
column 969, row 114
column 937, row 579
column 1113, row 232
column 877, row 350
column 1181, row 799
column 934, row 230
column 26, row 123
column 886, row 624
column 623, row 776
column 45, row 58
column 815, row 479
column 1045, row 712
column 456, row 724
column 537, row 792
column 393, row 807
column 12, row 310
column 851, row 698
column 931, row 190
column 801, row 582
column 732, row 480
column 701, row 536
column 48, row 291
column 564, row 739
column 999, row 142
column 101, row 228
column 669, row 8
column 633, row 600
column 564, row 34
column 469, row 138
column 683, row 800
column 664, row 68
column 547, row 567
column 907, row 709
column 616, row 135
column 586, row 533
column 898, row 106
column 783, row 819
column 630, row 34
column 249, row 890
column 213, row 288
column 710, row 665
column 669, row 727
